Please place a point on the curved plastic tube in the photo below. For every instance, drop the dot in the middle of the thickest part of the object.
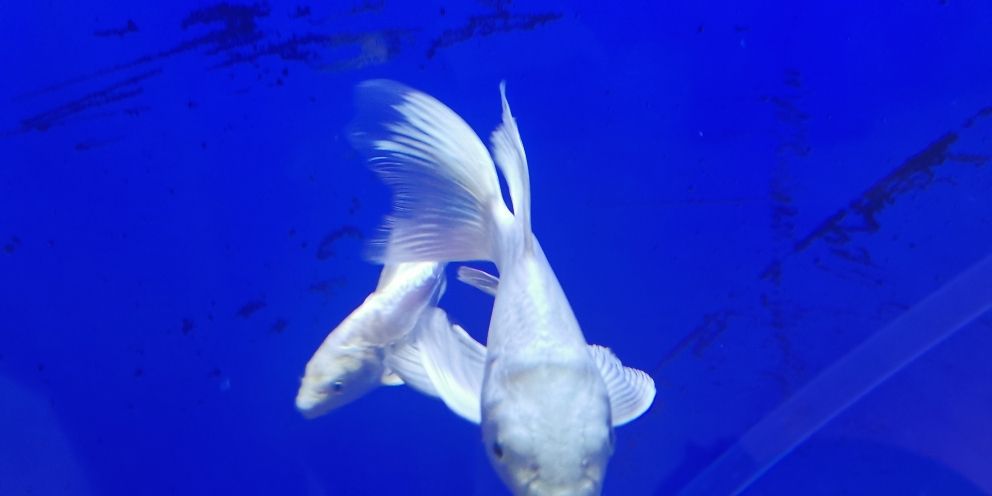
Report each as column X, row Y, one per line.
column 847, row 380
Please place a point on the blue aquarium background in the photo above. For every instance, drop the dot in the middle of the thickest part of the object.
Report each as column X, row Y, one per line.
column 734, row 196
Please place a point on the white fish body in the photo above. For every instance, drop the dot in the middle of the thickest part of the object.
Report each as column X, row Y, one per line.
column 442, row 360
column 631, row 391
column 546, row 412
column 351, row 360
column 545, row 409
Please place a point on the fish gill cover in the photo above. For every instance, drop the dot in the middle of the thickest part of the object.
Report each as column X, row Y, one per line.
column 734, row 197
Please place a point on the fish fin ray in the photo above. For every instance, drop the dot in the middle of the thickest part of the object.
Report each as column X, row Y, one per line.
column 508, row 150
column 478, row 279
column 403, row 359
column 631, row 391
column 455, row 363
column 446, row 193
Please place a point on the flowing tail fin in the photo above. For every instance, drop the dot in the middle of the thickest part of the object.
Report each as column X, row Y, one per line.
column 508, row 149
column 447, row 199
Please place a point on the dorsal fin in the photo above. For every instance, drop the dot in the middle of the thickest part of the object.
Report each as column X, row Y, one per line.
column 508, row 150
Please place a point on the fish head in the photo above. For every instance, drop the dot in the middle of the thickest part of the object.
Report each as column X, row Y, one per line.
column 336, row 378
column 549, row 433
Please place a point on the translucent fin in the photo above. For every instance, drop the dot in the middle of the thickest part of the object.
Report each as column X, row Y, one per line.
column 445, row 187
column 631, row 391
column 938, row 316
column 508, row 150
column 403, row 359
column 479, row 279
column 455, row 363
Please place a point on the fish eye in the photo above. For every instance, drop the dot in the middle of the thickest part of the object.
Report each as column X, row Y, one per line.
column 337, row 386
column 498, row 450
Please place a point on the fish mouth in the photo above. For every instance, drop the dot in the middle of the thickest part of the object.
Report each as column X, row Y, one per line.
column 585, row 486
column 530, row 482
column 309, row 403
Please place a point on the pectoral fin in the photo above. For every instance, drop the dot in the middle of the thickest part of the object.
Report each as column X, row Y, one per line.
column 478, row 279
column 455, row 363
column 441, row 360
column 403, row 361
column 631, row 391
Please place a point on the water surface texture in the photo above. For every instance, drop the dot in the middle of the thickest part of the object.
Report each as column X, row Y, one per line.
column 739, row 198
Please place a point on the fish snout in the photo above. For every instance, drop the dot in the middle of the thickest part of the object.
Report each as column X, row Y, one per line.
column 583, row 487
column 310, row 402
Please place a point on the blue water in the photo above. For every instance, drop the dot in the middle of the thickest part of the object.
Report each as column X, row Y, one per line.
column 736, row 199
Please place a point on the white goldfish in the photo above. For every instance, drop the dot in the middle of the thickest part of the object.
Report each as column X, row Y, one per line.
column 547, row 403
column 351, row 360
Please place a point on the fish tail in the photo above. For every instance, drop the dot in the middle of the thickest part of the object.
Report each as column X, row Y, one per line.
column 447, row 203
column 508, row 150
